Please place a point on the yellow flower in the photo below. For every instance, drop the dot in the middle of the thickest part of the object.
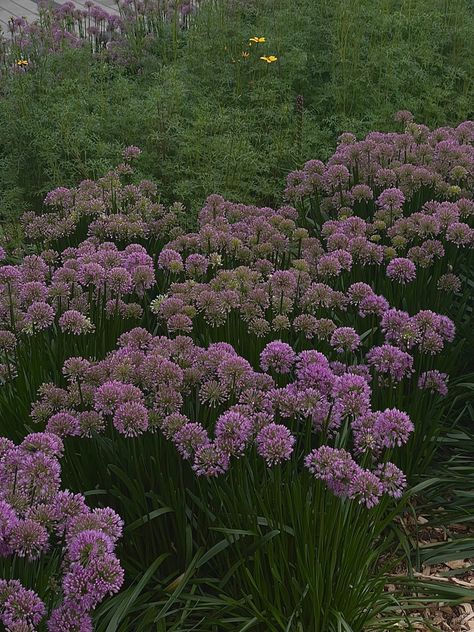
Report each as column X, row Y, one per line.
column 22, row 62
column 257, row 40
column 269, row 58
column 245, row 54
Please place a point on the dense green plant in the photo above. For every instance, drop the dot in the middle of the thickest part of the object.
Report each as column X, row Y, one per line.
column 208, row 118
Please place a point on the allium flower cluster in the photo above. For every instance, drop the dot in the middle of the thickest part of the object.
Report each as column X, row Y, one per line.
column 35, row 514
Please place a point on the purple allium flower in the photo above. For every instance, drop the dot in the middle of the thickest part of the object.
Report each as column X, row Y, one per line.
column 391, row 199
column 196, row 265
column 63, row 424
column 74, row 322
column 22, row 610
column 131, row 419
column 40, row 315
column 44, row 442
column 68, row 505
column 403, row 116
column 353, row 393
column 278, row 357
column 366, row 488
column 434, row 381
column 233, row 431
column 393, row 427
column 119, row 280
column 345, row 339
column 7, row 340
column 392, row 478
column 189, row 438
column 358, row 292
column 401, row 270
column 170, row 260
column 334, row 466
column 449, row 283
column 274, row 443
column 113, row 393
column 400, row 329
column 460, row 234
column 390, row 360
column 69, row 617
column 29, row 539
column 90, row 423
column 76, row 368
column 210, row 460
column 131, row 153
column 88, row 545
column 373, row 304
column 172, row 423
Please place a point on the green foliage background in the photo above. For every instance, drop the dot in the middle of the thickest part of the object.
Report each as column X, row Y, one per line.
column 209, row 120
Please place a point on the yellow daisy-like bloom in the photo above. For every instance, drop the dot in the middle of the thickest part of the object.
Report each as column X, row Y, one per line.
column 22, row 62
column 269, row 58
column 245, row 54
column 257, row 40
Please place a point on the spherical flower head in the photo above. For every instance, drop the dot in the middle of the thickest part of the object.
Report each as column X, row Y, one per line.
column 390, row 360
column 119, row 280
column 449, row 283
column 70, row 617
column 76, row 368
column 403, row 116
column 345, row 339
column 353, row 393
column 434, row 381
column 170, row 260
column 365, row 434
column 111, row 394
column 81, row 587
column 172, row 423
column 88, row 545
column 29, row 539
column 67, row 506
column 210, row 460
column 109, row 522
column 131, row 419
column 400, row 328
column 22, row 607
column 7, row 340
column 460, row 234
column 393, row 480
column 391, row 199
column 40, row 315
column 401, row 270
column 334, row 466
column 328, row 266
column 74, row 322
column 357, row 292
column 366, row 488
column 278, row 357
column 189, row 438
column 196, row 265
column 394, row 427
column 234, row 372
column 63, row 424
column 91, row 423
column 44, row 442
column 179, row 323
column 274, row 443
column 131, row 153
column 233, row 432
column 373, row 304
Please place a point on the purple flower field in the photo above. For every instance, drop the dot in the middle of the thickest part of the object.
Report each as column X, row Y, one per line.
column 236, row 424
